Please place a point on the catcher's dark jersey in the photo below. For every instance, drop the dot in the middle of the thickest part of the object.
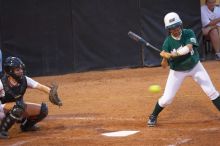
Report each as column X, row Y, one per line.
column 184, row 62
column 30, row 83
column 13, row 93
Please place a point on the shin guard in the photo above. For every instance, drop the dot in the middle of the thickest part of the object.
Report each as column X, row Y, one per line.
column 11, row 117
column 28, row 123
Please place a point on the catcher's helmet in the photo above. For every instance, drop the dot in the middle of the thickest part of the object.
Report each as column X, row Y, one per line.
column 172, row 20
column 12, row 63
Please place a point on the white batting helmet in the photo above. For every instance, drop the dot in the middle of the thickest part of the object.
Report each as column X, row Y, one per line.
column 172, row 20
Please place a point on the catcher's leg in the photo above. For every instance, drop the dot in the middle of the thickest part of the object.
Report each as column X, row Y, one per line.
column 14, row 115
column 35, row 113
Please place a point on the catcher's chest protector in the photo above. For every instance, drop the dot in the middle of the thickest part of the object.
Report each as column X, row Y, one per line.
column 13, row 93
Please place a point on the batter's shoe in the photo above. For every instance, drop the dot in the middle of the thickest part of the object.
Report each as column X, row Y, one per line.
column 4, row 135
column 152, row 121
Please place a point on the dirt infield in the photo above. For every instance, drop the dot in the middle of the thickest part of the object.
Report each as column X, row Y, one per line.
column 107, row 101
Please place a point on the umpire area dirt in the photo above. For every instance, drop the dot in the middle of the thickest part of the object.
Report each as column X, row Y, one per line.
column 116, row 100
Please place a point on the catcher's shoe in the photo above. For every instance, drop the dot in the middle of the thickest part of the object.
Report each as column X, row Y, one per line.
column 4, row 135
column 33, row 128
column 152, row 121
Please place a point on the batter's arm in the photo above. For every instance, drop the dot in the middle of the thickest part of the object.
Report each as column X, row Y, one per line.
column 182, row 50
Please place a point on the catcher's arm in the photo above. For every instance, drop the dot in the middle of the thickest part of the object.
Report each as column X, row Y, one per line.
column 52, row 91
column 43, row 88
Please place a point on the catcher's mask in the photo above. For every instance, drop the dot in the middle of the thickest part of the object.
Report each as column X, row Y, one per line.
column 14, row 67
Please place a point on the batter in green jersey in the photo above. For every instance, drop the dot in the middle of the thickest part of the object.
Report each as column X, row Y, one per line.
column 185, row 62
column 180, row 52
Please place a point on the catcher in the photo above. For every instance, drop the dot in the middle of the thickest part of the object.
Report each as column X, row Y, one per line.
column 13, row 108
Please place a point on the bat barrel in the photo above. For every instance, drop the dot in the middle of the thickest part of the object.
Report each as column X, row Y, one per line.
column 140, row 39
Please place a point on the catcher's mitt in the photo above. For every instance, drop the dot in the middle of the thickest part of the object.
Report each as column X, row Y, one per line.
column 53, row 95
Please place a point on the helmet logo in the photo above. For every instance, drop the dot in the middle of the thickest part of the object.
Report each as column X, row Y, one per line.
column 172, row 20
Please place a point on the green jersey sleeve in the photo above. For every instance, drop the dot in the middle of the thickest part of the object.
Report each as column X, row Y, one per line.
column 191, row 38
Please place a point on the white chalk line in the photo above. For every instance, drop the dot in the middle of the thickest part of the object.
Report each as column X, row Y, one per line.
column 210, row 129
column 93, row 118
column 90, row 118
column 20, row 143
column 180, row 141
column 124, row 119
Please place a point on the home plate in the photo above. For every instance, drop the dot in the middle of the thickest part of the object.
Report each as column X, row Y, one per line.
column 119, row 133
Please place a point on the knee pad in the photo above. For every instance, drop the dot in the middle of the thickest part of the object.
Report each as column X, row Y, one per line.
column 43, row 111
column 16, row 112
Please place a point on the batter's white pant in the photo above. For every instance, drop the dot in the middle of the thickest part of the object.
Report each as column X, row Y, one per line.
column 175, row 79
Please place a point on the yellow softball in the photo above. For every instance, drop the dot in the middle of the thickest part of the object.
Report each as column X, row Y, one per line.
column 154, row 88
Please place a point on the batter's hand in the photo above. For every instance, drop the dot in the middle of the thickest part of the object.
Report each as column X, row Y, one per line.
column 165, row 54
column 174, row 52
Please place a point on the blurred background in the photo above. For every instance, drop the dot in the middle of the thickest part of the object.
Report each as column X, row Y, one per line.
column 56, row 37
